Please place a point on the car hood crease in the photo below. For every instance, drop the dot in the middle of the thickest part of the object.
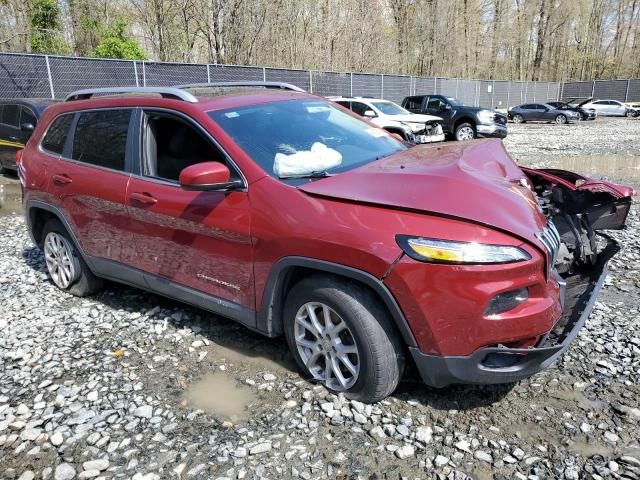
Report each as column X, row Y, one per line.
column 475, row 181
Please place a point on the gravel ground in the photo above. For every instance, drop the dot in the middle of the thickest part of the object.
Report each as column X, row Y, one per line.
column 129, row 385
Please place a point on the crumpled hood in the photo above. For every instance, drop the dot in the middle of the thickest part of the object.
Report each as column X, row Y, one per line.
column 476, row 181
column 413, row 118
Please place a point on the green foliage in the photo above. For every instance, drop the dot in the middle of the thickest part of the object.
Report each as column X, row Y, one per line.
column 115, row 43
column 46, row 28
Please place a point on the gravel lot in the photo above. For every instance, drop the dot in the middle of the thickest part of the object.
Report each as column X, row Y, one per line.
column 129, row 385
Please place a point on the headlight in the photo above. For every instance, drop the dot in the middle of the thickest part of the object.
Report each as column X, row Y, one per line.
column 449, row 251
column 486, row 116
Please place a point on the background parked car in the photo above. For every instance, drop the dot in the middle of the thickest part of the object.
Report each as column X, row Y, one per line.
column 612, row 107
column 414, row 128
column 18, row 119
column 574, row 106
column 461, row 121
column 541, row 112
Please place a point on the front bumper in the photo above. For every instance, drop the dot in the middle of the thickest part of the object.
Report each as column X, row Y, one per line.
column 505, row 365
column 494, row 131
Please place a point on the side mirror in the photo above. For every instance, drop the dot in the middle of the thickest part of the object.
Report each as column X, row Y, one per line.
column 370, row 114
column 444, row 107
column 207, row 176
column 27, row 127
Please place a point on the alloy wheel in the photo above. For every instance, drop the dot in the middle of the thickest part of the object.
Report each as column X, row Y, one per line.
column 465, row 133
column 326, row 346
column 561, row 119
column 517, row 119
column 58, row 255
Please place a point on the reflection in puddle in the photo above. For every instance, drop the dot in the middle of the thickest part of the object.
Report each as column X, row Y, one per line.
column 221, row 396
column 623, row 167
column 10, row 199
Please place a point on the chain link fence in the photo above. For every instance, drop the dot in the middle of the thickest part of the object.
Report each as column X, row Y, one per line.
column 51, row 76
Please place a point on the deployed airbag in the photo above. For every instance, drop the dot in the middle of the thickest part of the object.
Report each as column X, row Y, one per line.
column 318, row 159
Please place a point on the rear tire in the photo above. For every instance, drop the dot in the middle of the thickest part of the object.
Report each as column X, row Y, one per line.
column 465, row 131
column 65, row 265
column 365, row 336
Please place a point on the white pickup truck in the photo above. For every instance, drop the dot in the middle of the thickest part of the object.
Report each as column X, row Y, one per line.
column 412, row 127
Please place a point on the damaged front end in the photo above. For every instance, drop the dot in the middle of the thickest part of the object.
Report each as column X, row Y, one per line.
column 429, row 132
column 579, row 208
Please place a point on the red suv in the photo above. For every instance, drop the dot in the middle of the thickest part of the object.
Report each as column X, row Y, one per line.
column 289, row 214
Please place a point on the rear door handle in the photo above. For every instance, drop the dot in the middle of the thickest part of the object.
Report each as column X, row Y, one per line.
column 13, row 139
column 143, row 198
column 61, row 179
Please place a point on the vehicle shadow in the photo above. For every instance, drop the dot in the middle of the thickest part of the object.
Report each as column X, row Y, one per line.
column 236, row 342
column 232, row 339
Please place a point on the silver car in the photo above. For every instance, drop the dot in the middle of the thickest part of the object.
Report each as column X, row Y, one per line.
column 610, row 107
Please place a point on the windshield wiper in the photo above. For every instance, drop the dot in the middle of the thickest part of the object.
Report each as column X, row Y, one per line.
column 315, row 174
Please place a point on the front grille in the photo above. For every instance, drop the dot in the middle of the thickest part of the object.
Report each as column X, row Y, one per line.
column 550, row 237
column 500, row 119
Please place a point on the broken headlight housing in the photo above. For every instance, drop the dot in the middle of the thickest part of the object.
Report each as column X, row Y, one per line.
column 455, row 252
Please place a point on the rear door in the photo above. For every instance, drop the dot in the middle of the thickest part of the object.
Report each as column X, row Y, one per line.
column 528, row 112
column 414, row 104
column 617, row 108
column 196, row 239
column 10, row 135
column 89, row 182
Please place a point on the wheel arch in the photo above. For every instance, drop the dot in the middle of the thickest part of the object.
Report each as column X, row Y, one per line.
column 289, row 270
column 396, row 130
column 38, row 213
column 464, row 119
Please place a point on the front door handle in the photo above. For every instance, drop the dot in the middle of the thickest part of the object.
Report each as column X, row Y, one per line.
column 143, row 198
column 61, row 179
column 14, row 139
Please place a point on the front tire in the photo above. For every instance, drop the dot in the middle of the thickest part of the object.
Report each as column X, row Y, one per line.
column 517, row 118
column 67, row 269
column 465, row 131
column 341, row 336
column 561, row 119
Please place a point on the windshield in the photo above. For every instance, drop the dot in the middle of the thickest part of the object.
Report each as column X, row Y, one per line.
column 390, row 108
column 304, row 137
column 455, row 102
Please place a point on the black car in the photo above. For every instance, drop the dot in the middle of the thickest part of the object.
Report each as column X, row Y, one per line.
column 585, row 113
column 541, row 112
column 461, row 121
column 18, row 118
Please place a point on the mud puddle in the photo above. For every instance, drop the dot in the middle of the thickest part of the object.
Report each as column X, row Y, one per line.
column 221, row 396
column 621, row 167
column 10, row 199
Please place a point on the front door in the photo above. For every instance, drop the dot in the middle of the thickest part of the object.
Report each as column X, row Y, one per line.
column 90, row 181
column 199, row 240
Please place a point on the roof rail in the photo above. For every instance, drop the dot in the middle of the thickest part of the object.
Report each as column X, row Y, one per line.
column 166, row 92
column 247, row 83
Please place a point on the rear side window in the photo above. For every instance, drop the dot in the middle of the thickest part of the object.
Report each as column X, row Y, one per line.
column 56, row 136
column 413, row 103
column 101, row 138
column 11, row 115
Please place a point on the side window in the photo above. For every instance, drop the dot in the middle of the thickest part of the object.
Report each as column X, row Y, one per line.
column 56, row 135
column 27, row 116
column 435, row 103
column 101, row 138
column 344, row 104
column 360, row 108
column 11, row 115
column 172, row 144
column 527, row 106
